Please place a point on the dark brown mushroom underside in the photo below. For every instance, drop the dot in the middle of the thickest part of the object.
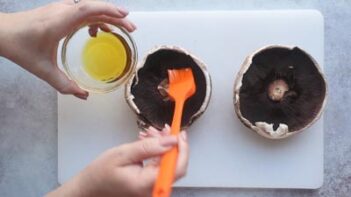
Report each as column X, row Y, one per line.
column 155, row 110
column 301, row 101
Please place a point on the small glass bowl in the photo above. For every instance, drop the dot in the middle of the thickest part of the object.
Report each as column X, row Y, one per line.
column 71, row 55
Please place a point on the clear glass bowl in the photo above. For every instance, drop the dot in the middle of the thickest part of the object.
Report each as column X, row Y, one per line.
column 72, row 60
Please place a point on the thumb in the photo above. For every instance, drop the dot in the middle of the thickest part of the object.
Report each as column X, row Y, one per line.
column 64, row 85
column 144, row 149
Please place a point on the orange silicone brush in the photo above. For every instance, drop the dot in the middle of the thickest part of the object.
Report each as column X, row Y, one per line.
column 181, row 87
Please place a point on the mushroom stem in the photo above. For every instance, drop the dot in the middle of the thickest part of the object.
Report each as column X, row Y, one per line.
column 277, row 89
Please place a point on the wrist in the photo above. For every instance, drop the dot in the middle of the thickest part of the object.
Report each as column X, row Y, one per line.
column 6, row 34
column 3, row 18
column 78, row 186
column 70, row 188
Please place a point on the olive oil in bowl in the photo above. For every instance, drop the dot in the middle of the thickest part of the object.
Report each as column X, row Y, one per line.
column 101, row 63
column 106, row 57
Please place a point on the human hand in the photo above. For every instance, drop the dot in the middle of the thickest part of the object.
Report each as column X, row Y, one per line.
column 31, row 38
column 119, row 172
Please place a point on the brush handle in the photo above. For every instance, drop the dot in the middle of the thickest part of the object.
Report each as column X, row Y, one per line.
column 163, row 185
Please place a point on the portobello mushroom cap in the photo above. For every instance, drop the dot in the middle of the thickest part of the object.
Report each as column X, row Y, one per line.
column 146, row 90
column 279, row 91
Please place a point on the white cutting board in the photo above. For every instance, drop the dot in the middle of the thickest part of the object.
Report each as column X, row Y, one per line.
column 223, row 152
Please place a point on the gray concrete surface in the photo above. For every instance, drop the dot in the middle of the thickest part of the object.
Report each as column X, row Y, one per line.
column 28, row 113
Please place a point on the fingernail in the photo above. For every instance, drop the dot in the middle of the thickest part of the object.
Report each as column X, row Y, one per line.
column 168, row 141
column 83, row 94
column 151, row 128
column 92, row 31
column 164, row 129
column 134, row 26
column 184, row 136
column 150, row 132
column 167, row 127
column 142, row 133
column 123, row 10
column 84, row 97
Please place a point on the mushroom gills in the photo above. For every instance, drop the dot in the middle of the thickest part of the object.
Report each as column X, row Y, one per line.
column 282, row 86
column 150, row 92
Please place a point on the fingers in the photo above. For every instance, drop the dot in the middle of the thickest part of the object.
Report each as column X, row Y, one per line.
column 150, row 171
column 123, row 22
column 148, row 176
column 105, row 27
column 64, row 85
column 144, row 149
column 100, row 11
column 85, row 9
column 183, row 156
column 142, row 135
column 166, row 130
column 93, row 29
column 152, row 132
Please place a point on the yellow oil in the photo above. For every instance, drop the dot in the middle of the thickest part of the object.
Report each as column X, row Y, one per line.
column 106, row 57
